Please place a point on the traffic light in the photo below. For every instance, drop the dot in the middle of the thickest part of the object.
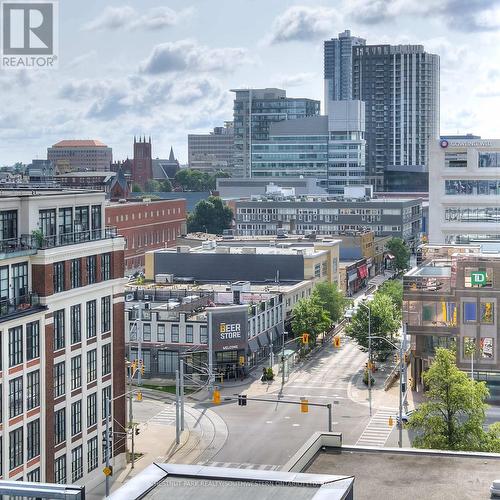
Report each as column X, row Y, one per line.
column 304, row 405
column 137, row 432
column 336, row 341
column 305, row 338
column 142, row 367
column 407, row 358
column 242, row 399
column 134, row 366
column 139, row 396
column 216, row 397
column 391, row 421
column 242, row 360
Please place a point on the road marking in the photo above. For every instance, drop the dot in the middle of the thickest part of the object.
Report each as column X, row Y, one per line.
column 295, row 425
column 286, row 418
column 377, row 431
column 244, row 465
column 165, row 417
column 269, row 422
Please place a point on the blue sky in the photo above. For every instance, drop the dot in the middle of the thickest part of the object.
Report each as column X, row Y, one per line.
column 165, row 68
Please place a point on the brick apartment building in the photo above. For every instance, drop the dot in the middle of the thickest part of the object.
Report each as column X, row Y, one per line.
column 146, row 225
column 61, row 336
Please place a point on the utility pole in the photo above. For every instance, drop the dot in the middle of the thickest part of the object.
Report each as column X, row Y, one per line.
column 210, row 356
column 131, row 417
column 107, row 412
column 181, row 389
column 401, row 363
column 177, row 408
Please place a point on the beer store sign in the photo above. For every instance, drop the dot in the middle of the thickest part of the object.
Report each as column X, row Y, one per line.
column 229, row 329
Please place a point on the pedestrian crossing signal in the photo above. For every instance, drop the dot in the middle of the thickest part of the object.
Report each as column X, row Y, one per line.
column 242, row 400
column 304, row 405
column 336, row 341
column 305, row 338
column 242, row 360
column 391, row 421
column 139, row 396
column 216, row 397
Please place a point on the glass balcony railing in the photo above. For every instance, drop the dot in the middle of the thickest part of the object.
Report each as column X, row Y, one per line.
column 440, row 284
column 18, row 305
column 43, row 242
column 16, row 245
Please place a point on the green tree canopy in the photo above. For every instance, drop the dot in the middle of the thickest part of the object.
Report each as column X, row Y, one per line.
column 394, row 289
column 136, row 188
column 331, row 299
column 310, row 317
column 384, row 322
column 453, row 416
column 400, row 251
column 194, row 180
column 152, row 186
column 165, row 186
column 210, row 215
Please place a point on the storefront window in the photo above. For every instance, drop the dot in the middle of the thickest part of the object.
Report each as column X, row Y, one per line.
column 487, row 316
column 470, row 312
column 486, row 348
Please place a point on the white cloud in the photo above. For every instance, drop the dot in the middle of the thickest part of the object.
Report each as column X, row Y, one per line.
column 302, row 23
column 126, row 17
column 188, row 55
column 297, row 79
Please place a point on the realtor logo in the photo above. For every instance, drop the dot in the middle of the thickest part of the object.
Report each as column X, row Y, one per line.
column 478, row 278
column 29, row 34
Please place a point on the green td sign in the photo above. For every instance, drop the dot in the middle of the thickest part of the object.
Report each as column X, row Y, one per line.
column 478, row 278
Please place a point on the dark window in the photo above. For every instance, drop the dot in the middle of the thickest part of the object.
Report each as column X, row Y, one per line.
column 16, row 444
column 174, row 334
column 33, row 389
column 58, row 277
column 15, row 397
column 76, row 324
column 33, row 438
column 48, row 224
column 34, row 475
column 146, row 332
column 91, row 365
column 76, row 418
column 8, row 224
column 106, row 359
column 59, row 379
column 59, row 340
column 20, row 281
column 105, row 314
column 160, row 333
column 92, row 454
column 189, row 334
column 65, row 222
column 60, row 426
column 60, row 470
column 77, row 463
column 105, row 266
column 15, row 346
column 91, row 269
column 106, row 398
column 203, row 334
column 91, row 319
column 91, row 409
column 82, row 222
column 76, row 273
column 96, row 221
column 76, row 372
column 32, row 340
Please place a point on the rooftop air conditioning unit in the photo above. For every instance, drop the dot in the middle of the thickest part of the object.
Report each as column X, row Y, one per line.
column 183, row 249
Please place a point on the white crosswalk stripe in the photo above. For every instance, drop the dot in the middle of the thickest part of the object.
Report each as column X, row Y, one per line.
column 234, row 465
column 165, row 417
column 378, row 430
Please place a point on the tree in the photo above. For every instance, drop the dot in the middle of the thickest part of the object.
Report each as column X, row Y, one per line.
column 309, row 316
column 452, row 418
column 165, row 186
column 400, row 251
column 393, row 289
column 384, row 323
column 152, row 186
column 211, row 216
column 136, row 188
column 331, row 299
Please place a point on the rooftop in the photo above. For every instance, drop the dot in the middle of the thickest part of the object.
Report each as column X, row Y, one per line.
column 79, row 143
column 31, row 190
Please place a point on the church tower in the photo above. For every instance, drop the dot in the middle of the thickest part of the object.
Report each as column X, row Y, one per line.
column 142, row 169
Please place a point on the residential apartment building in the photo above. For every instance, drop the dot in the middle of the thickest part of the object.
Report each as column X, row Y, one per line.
column 329, row 216
column 146, row 225
column 80, row 156
column 464, row 202
column 212, row 152
column 400, row 87
column 254, row 111
column 452, row 299
column 62, row 345
column 338, row 67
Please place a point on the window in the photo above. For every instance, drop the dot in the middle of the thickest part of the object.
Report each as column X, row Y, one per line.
column 8, row 224
column 34, row 475
column 76, row 372
column 16, row 443
column 175, row 334
column 106, row 266
column 106, row 398
column 77, row 463
column 82, row 222
column 20, row 281
column 487, row 313
column 146, row 332
column 91, row 269
column 33, row 438
column 59, row 379
column 32, row 390
column 189, row 334
column 92, row 458
column 470, row 312
column 15, row 346
column 95, row 212
column 160, row 333
column 76, row 323
column 59, row 341
column 58, row 277
column 91, row 319
column 106, row 359
column 76, row 418
column 105, row 314
column 91, row 409
column 203, row 334
column 317, row 270
column 32, row 340
column 489, row 159
column 60, row 470
column 15, row 397
column 486, row 347
column 91, row 365
column 76, row 273
column 47, row 219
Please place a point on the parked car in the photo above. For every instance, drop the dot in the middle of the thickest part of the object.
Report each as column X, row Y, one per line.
column 495, row 488
column 405, row 417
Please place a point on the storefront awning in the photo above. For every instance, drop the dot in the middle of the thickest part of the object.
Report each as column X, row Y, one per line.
column 362, row 271
column 263, row 340
column 352, row 276
column 253, row 345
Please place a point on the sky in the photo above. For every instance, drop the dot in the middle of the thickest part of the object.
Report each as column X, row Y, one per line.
column 165, row 68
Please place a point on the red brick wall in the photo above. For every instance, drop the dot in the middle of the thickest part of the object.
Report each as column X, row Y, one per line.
column 119, row 404
column 117, row 264
column 42, row 279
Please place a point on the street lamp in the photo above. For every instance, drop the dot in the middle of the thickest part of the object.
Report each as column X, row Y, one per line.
column 362, row 304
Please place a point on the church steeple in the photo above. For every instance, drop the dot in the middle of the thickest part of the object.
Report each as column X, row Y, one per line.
column 171, row 156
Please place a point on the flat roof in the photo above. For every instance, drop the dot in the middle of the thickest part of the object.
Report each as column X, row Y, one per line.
column 393, row 474
column 294, row 249
column 79, row 143
column 27, row 191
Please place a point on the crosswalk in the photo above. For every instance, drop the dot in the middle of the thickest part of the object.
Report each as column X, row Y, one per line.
column 165, row 417
column 378, row 430
column 234, row 465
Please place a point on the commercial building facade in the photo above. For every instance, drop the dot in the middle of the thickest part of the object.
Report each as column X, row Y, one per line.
column 254, row 111
column 464, row 203
column 146, row 225
column 80, row 156
column 62, row 344
column 400, row 86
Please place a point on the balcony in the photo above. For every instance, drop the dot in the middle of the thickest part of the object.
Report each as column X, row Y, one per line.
column 42, row 242
column 19, row 306
column 428, row 280
column 16, row 247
